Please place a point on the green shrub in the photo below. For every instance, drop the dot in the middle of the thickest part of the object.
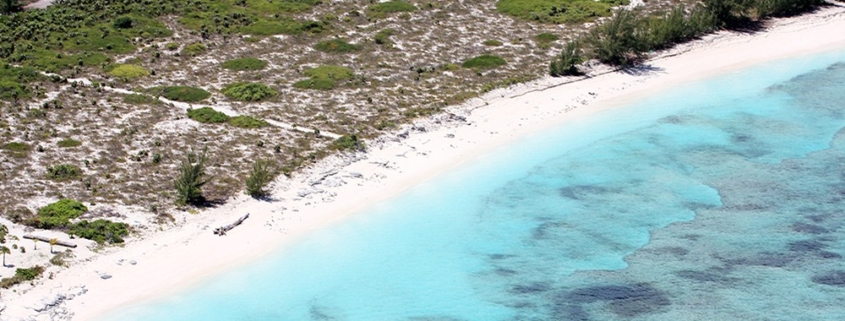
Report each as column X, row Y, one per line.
column 247, row 122
column 348, row 142
column 191, row 179
column 17, row 147
column 129, row 72
column 171, row 46
column 566, row 63
column 335, row 46
column 245, row 64
column 63, row 172
column 69, row 142
column 207, row 115
column 324, row 77
column 139, row 99
column 194, row 49
column 380, row 9
column 123, row 22
column 484, row 62
column 383, row 36
column 492, row 43
column 619, row 40
column 100, row 231
column 10, row 90
column 22, row 275
column 180, row 93
column 555, row 11
column 58, row 214
column 546, row 37
column 249, row 91
column 263, row 172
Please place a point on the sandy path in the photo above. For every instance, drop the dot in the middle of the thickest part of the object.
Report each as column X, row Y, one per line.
column 341, row 186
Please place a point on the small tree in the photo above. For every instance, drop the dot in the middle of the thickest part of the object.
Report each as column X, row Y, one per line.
column 53, row 242
column 191, row 178
column 566, row 63
column 263, row 172
column 5, row 250
column 10, row 6
column 3, row 232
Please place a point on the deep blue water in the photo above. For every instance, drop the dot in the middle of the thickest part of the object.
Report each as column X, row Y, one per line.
column 718, row 200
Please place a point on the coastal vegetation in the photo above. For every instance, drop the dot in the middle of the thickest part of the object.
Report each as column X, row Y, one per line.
column 22, row 275
column 180, row 93
column 191, row 179
column 207, row 115
column 324, row 77
column 249, row 92
column 263, row 172
column 100, row 231
column 245, row 64
column 484, row 62
column 58, row 214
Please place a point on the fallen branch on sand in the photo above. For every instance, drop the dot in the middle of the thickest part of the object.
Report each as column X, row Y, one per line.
column 223, row 229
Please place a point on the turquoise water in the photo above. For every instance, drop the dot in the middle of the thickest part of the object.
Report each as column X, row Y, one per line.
column 719, row 200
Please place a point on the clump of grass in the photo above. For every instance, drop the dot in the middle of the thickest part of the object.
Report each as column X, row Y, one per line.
column 383, row 8
column 207, row 115
column 139, row 99
column 247, row 122
column 17, row 149
column 245, row 64
column 336, row 46
column 484, row 62
column 10, row 90
column 492, row 43
column 69, row 142
column 324, row 77
column 553, row 11
column 546, row 37
column 180, row 93
column 129, row 71
column 171, row 46
column 249, row 91
column 100, row 231
column 63, row 172
column 194, row 49
column 348, row 142
column 22, row 275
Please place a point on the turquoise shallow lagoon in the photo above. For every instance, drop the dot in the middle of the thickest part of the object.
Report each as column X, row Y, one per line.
column 718, row 200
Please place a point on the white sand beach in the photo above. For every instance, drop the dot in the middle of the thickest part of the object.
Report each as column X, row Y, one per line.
column 340, row 186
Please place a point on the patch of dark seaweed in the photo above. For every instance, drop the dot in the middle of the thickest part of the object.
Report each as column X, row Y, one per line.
column 835, row 278
column 623, row 300
column 805, row 246
column 808, row 228
column 532, row 288
column 706, row 276
column 580, row 191
column 764, row 259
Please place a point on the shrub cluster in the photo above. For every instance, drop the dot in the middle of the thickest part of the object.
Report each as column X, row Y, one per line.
column 139, row 99
column 554, row 11
column 625, row 38
column 324, row 77
column 128, row 71
column 194, row 49
column 263, row 172
column 348, row 142
column 245, row 64
column 336, row 46
column 249, row 91
column 100, row 231
column 180, row 93
column 58, row 214
column 17, row 149
column 207, row 115
column 484, row 62
column 69, row 142
column 22, row 275
column 63, row 172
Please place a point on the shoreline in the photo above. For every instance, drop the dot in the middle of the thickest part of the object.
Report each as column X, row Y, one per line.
column 341, row 186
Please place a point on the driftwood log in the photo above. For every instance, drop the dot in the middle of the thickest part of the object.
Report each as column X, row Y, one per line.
column 223, row 229
column 47, row 240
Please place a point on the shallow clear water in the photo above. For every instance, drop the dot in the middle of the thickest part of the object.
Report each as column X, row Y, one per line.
column 719, row 200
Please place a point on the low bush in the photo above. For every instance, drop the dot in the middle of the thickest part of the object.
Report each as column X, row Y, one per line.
column 22, row 275
column 139, row 99
column 566, row 64
column 263, row 172
column 194, row 49
column 128, row 72
column 100, row 231
column 63, row 172
column 546, row 37
column 492, row 43
column 247, row 122
column 336, row 46
column 383, row 8
column 17, row 147
column 207, row 115
column 484, row 62
column 383, row 37
column 69, row 142
column 348, row 142
column 245, row 64
column 11, row 90
column 324, row 77
column 185, row 94
column 123, row 22
column 58, row 214
column 249, row 91
column 171, row 46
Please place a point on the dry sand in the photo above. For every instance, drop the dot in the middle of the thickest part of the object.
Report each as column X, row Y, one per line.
column 173, row 260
